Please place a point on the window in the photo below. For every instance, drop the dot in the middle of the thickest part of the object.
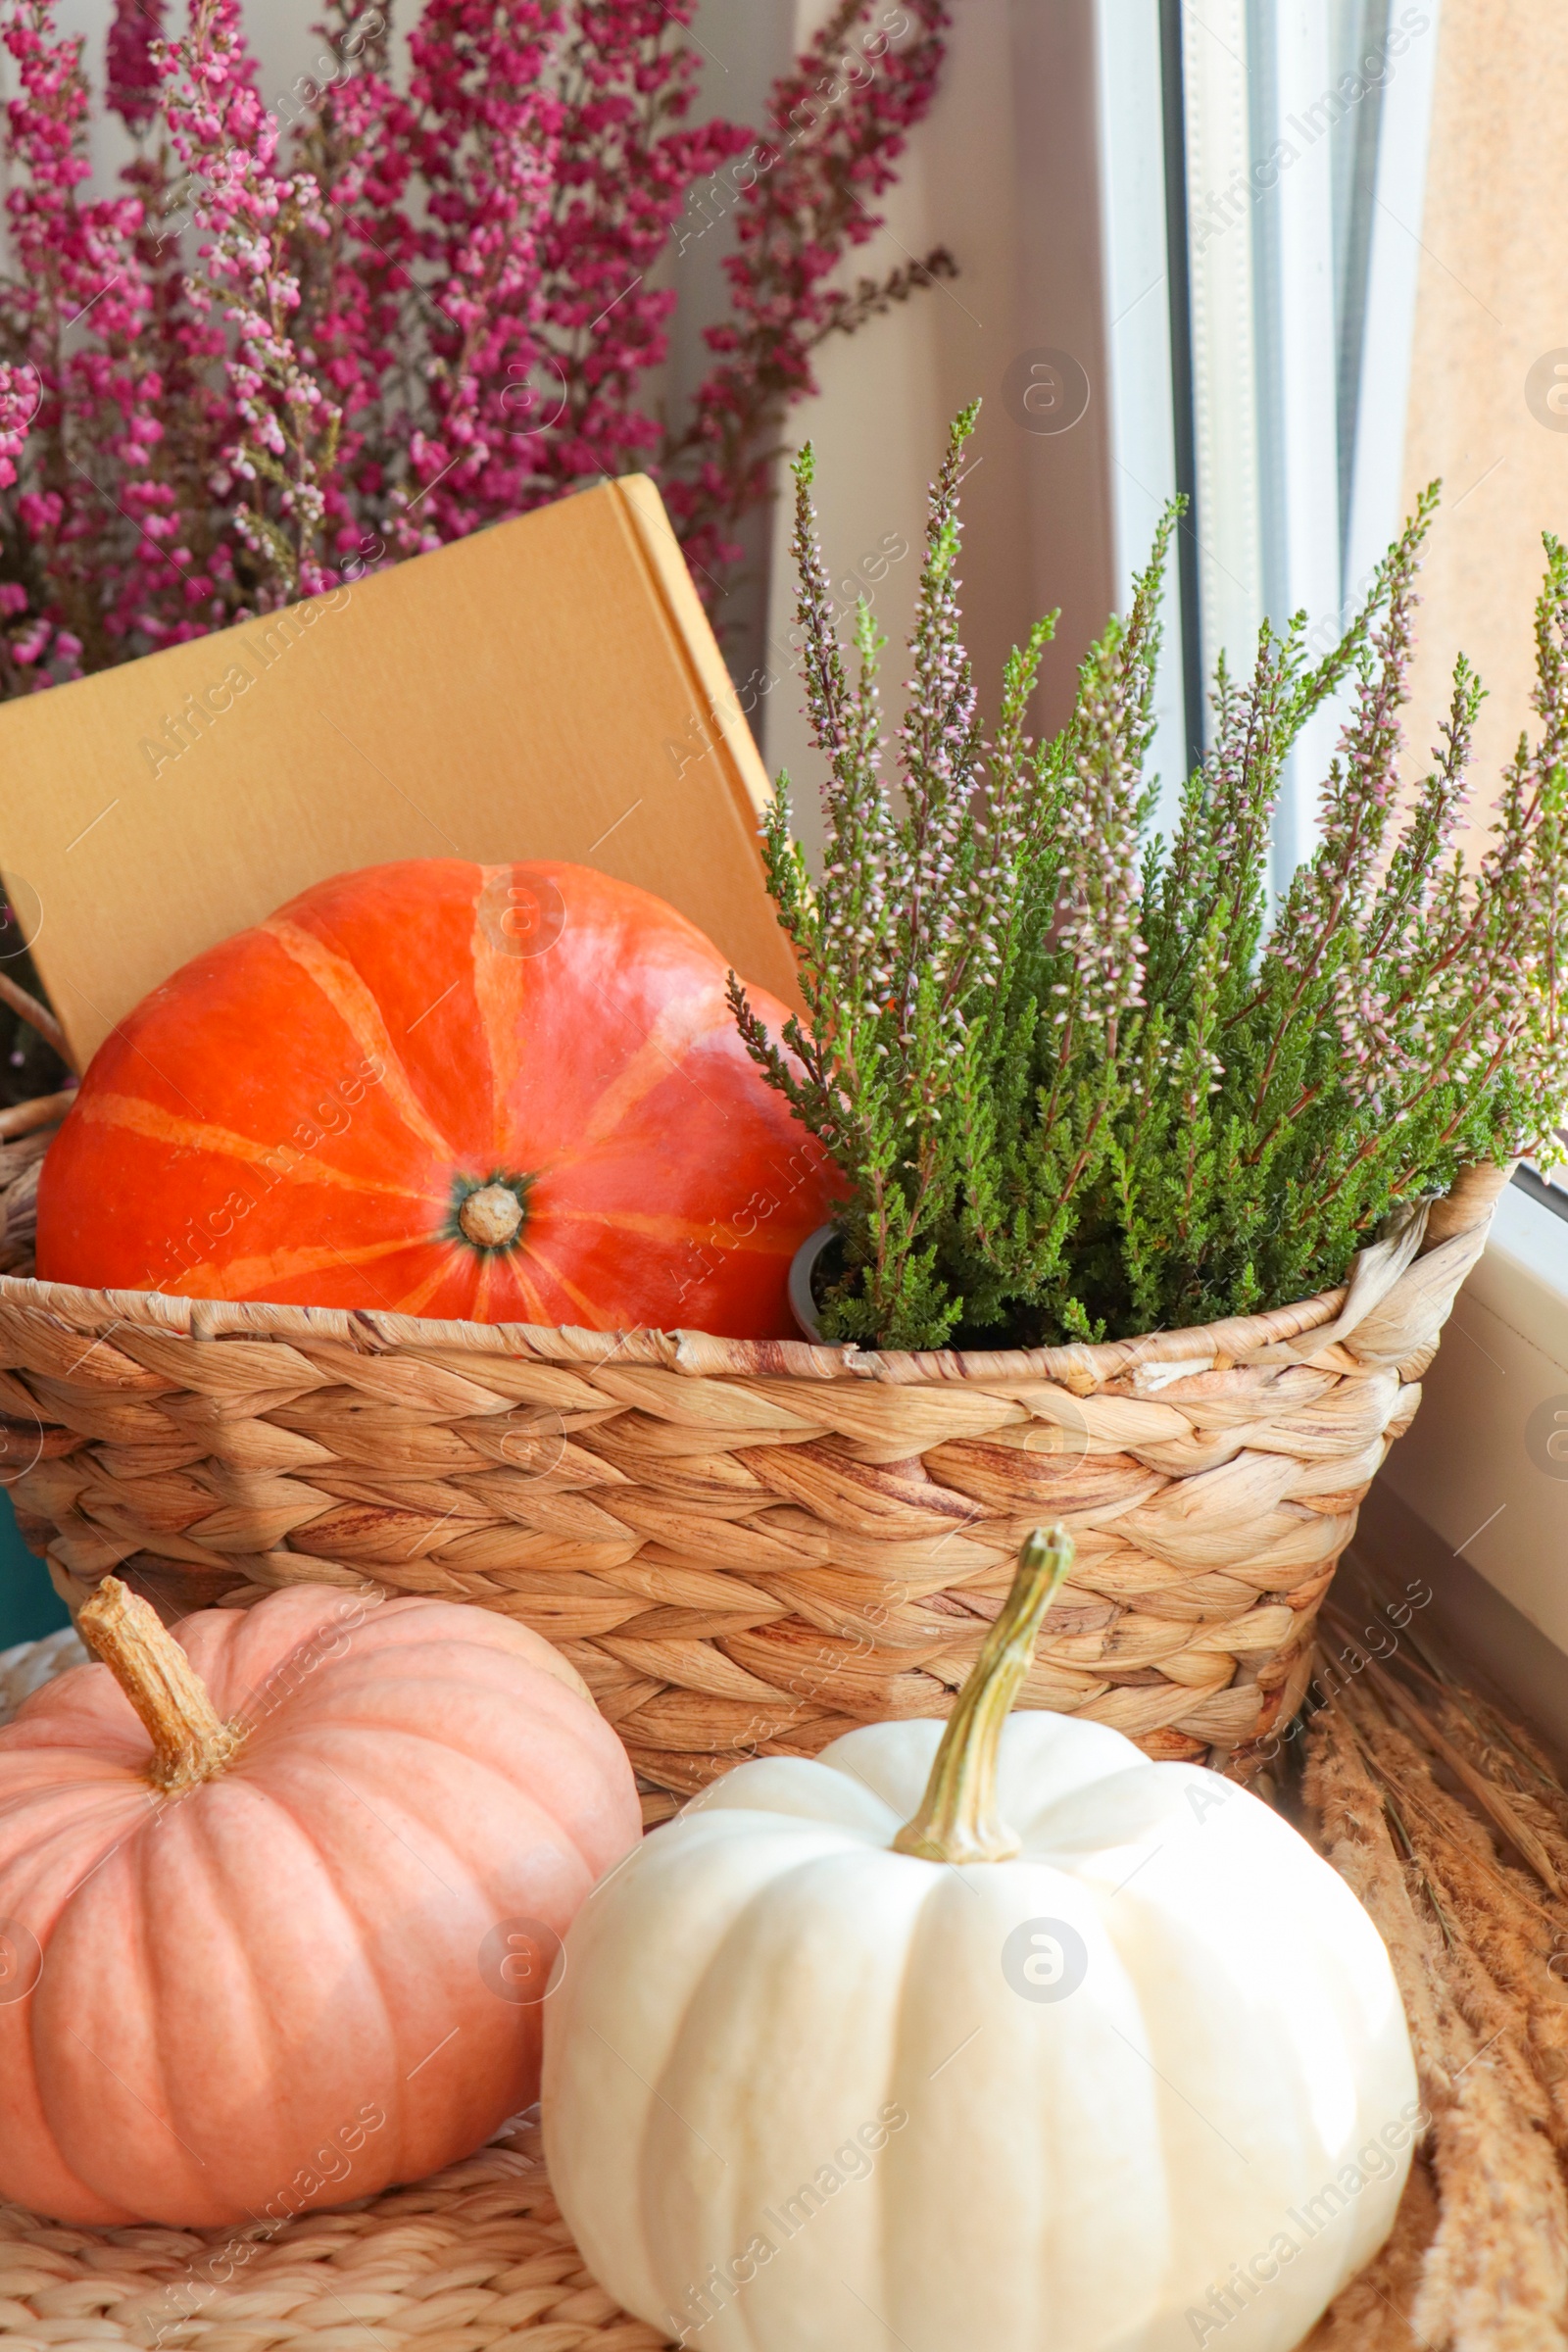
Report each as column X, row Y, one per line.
column 1304, row 133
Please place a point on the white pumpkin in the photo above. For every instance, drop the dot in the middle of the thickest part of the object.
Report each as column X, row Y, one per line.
column 1146, row 2086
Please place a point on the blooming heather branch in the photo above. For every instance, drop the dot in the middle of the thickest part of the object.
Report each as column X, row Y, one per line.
column 1358, row 797
column 424, row 305
column 484, row 142
column 21, row 392
column 73, row 400
column 940, row 748
column 804, row 195
column 1136, row 1109
column 249, row 216
column 369, row 315
column 628, row 159
column 130, row 64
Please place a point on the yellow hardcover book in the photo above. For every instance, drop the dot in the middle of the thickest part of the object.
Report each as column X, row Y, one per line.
column 549, row 688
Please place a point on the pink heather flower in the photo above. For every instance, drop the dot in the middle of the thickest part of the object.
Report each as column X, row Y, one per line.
column 21, row 396
column 251, row 220
column 130, row 71
column 801, row 197
column 279, row 357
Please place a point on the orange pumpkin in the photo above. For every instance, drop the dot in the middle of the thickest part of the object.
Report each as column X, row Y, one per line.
column 511, row 1093
column 285, row 1941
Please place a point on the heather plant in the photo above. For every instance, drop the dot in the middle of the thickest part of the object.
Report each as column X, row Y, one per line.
column 1082, row 1082
column 285, row 352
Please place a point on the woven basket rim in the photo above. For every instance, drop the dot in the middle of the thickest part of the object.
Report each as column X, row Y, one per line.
column 700, row 1355
column 737, row 1537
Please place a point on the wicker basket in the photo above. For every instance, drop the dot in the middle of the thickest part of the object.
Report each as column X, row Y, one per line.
column 26, row 1131
column 748, row 1547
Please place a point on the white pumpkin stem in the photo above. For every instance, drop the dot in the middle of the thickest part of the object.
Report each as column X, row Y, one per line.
column 190, row 1740
column 958, row 1820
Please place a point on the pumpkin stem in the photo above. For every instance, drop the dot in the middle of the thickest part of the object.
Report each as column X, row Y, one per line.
column 190, row 1740
column 491, row 1218
column 956, row 1821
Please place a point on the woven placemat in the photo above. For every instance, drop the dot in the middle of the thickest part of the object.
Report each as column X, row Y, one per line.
column 472, row 2261
column 1443, row 1814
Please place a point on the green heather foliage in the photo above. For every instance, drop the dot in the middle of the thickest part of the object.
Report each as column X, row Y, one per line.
column 1080, row 1082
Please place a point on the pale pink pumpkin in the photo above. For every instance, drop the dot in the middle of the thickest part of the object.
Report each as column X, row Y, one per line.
column 271, row 1953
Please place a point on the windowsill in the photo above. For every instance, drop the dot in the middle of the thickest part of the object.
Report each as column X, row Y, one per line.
column 1476, row 1486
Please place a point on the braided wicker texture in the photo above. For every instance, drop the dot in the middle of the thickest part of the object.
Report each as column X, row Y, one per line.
column 472, row 2261
column 20, row 1163
column 748, row 1547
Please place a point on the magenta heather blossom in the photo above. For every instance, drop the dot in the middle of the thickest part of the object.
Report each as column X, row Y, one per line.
column 72, row 324
column 802, row 196
column 309, row 338
column 253, row 223
column 21, row 392
column 131, row 75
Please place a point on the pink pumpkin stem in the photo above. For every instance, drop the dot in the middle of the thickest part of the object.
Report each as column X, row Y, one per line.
column 190, row 1740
